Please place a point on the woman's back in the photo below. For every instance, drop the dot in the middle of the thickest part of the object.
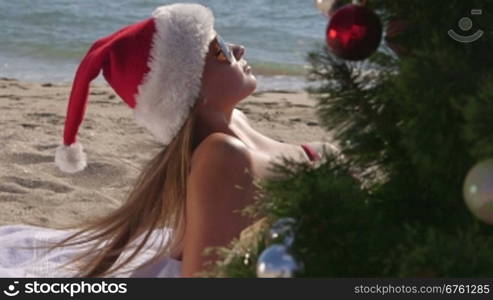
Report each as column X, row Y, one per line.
column 220, row 183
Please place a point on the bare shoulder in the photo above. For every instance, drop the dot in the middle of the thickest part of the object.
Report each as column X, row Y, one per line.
column 220, row 149
column 221, row 170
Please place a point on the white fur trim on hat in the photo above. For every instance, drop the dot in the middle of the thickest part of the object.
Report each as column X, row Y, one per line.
column 172, row 85
column 71, row 158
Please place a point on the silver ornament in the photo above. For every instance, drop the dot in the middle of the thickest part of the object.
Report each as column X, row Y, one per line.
column 478, row 191
column 276, row 262
column 282, row 232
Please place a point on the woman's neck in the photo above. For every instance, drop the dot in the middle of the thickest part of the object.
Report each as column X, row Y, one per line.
column 208, row 121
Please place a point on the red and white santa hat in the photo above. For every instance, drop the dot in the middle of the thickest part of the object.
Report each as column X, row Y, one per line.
column 155, row 66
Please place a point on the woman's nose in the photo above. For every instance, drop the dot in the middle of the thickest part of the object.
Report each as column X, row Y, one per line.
column 238, row 51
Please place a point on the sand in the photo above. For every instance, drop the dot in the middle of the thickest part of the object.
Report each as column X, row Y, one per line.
column 34, row 191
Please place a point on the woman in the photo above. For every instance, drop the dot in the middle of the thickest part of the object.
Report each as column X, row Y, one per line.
column 183, row 83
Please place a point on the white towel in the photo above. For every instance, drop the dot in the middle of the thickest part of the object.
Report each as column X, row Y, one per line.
column 17, row 262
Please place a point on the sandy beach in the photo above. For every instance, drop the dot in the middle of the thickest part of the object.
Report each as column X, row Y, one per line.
column 34, row 191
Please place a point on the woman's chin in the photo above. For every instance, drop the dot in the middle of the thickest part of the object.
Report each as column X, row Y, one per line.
column 252, row 87
column 251, row 82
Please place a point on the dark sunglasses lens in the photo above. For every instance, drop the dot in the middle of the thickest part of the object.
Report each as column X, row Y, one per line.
column 225, row 49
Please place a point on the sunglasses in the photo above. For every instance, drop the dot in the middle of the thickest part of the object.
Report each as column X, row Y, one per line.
column 222, row 51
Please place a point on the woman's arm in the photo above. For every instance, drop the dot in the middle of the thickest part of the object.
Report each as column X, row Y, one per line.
column 219, row 184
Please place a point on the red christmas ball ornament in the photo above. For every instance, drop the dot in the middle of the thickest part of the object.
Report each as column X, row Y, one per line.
column 354, row 32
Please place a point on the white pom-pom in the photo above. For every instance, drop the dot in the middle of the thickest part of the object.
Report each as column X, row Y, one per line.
column 71, row 158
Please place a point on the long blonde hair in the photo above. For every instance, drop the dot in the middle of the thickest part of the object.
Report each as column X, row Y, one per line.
column 157, row 200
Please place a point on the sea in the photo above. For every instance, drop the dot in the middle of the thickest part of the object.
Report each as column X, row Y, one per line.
column 44, row 40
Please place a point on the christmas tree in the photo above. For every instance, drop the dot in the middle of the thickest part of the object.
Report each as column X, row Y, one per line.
column 411, row 193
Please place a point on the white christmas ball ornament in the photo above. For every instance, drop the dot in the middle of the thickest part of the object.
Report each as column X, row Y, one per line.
column 276, row 262
column 478, row 191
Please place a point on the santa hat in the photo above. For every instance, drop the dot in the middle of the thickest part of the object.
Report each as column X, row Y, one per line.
column 155, row 66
